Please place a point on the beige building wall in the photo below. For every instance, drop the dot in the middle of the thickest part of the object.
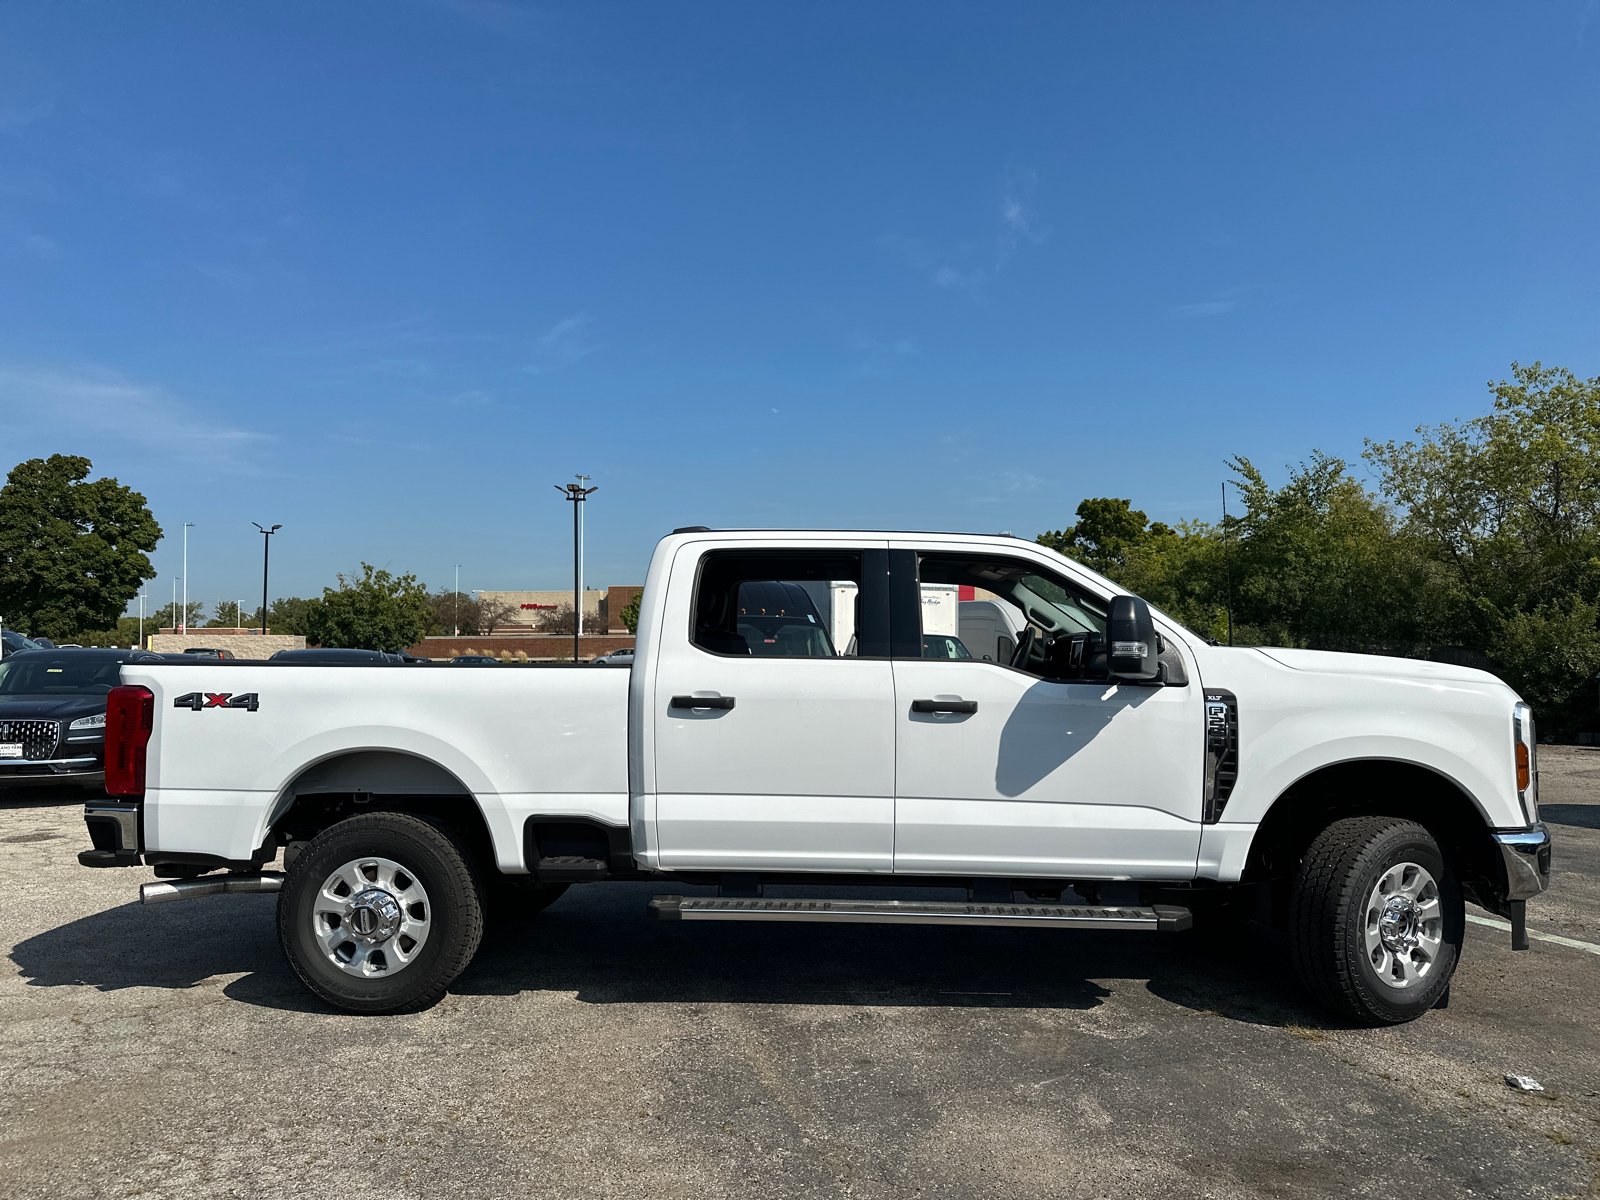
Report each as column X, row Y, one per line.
column 247, row 647
column 530, row 604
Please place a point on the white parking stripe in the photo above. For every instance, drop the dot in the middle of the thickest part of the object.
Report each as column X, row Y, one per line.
column 1543, row 937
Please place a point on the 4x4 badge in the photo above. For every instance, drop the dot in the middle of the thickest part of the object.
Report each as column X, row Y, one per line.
column 198, row 700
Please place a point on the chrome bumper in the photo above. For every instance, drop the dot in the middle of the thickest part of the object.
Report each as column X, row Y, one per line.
column 1526, row 854
column 61, row 766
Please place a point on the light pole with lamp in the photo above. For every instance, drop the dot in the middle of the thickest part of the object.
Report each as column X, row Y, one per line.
column 457, row 595
column 577, row 493
column 266, row 555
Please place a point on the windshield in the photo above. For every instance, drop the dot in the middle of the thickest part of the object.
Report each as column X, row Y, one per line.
column 59, row 675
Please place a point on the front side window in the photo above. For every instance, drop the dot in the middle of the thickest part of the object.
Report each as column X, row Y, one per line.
column 779, row 604
column 1009, row 612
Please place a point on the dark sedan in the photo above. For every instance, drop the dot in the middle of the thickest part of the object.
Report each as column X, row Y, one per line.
column 53, row 714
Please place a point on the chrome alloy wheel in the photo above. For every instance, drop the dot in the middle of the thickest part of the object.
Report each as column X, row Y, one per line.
column 371, row 917
column 1404, row 927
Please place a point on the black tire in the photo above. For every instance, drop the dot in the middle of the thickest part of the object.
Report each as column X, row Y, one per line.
column 521, row 897
column 436, row 860
column 1328, row 919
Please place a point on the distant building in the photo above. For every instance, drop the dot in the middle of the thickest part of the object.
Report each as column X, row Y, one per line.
column 601, row 609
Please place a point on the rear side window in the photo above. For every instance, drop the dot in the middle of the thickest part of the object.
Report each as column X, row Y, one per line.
column 780, row 604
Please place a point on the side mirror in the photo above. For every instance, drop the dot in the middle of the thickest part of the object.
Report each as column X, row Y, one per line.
column 1131, row 635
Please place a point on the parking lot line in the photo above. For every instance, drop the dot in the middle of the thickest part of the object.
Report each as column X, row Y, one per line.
column 1543, row 937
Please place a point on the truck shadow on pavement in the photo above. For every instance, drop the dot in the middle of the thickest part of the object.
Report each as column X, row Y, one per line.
column 1584, row 816
column 597, row 944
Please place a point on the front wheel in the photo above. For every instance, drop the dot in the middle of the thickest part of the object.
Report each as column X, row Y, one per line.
column 1376, row 920
column 380, row 913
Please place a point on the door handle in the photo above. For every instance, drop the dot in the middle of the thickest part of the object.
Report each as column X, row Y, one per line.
column 944, row 706
column 723, row 702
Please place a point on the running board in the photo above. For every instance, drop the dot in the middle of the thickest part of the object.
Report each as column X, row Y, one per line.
column 1160, row 918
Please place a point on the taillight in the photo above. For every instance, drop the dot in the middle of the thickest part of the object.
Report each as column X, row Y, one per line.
column 130, row 715
column 1523, row 771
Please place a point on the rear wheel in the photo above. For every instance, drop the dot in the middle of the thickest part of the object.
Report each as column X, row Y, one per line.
column 1376, row 919
column 380, row 913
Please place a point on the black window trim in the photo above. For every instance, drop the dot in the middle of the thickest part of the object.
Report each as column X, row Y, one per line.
column 875, row 560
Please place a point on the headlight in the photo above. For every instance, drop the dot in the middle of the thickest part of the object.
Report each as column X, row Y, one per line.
column 1525, row 748
column 98, row 721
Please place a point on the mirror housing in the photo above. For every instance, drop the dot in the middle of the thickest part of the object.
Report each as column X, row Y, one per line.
column 1131, row 647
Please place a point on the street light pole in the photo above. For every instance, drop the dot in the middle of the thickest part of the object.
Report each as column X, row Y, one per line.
column 457, row 595
column 141, row 620
column 266, row 555
column 183, row 618
column 577, row 493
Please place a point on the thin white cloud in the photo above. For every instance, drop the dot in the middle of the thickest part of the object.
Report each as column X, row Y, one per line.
column 970, row 266
column 93, row 402
column 561, row 344
column 1223, row 302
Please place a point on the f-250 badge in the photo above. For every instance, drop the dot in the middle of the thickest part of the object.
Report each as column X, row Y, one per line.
column 198, row 700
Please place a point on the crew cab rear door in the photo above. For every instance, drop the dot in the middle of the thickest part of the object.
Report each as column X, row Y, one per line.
column 788, row 764
column 1021, row 774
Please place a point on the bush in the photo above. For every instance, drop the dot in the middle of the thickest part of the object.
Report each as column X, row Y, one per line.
column 1551, row 656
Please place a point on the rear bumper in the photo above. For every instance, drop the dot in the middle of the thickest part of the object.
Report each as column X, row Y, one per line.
column 1526, row 857
column 114, row 830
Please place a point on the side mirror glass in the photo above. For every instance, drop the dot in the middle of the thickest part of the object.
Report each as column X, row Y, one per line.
column 1131, row 638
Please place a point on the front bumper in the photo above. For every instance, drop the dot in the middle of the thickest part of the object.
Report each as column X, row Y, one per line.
column 79, row 768
column 1526, row 856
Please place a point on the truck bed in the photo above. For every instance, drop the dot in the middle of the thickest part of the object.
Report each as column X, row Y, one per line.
column 235, row 743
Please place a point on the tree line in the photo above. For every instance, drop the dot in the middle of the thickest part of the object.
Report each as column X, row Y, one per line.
column 1478, row 542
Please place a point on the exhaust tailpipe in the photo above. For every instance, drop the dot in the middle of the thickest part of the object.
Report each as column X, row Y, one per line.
column 209, row 885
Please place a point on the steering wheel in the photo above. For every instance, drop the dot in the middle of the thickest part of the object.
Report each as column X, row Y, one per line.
column 1029, row 654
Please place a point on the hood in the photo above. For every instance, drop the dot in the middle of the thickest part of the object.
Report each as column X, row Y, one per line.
column 17, row 708
column 1332, row 662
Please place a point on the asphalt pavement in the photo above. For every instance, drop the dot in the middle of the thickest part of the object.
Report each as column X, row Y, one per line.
column 170, row 1052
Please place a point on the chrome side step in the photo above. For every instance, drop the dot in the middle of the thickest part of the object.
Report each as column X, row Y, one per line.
column 209, row 885
column 1160, row 918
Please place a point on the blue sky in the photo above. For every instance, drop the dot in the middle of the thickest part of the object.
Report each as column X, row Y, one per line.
column 384, row 273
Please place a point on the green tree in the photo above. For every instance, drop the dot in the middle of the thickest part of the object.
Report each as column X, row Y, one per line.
column 289, row 614
column 1508, row 503
column 629, row 616
column 166, row 617
column 72, row 551
column 1551, row 655
column 452, row 610
column 1107, row 532
column 377, row 611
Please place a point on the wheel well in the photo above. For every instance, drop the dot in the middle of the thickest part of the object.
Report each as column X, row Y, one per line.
column 381, row 781
column 1378, row 788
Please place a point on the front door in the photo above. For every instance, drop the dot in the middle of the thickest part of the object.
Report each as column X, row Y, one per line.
column 1019, row 774
column 789, row 763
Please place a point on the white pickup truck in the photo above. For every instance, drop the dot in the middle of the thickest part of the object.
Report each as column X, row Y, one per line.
column 787, row 720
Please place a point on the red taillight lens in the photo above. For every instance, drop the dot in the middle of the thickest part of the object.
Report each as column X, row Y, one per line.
column 130, row 715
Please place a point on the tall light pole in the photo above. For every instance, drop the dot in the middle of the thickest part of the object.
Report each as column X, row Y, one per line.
column 141, row 621
column 266, row 555
column 183, row 618
column 457, row 595
column 577, row 493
